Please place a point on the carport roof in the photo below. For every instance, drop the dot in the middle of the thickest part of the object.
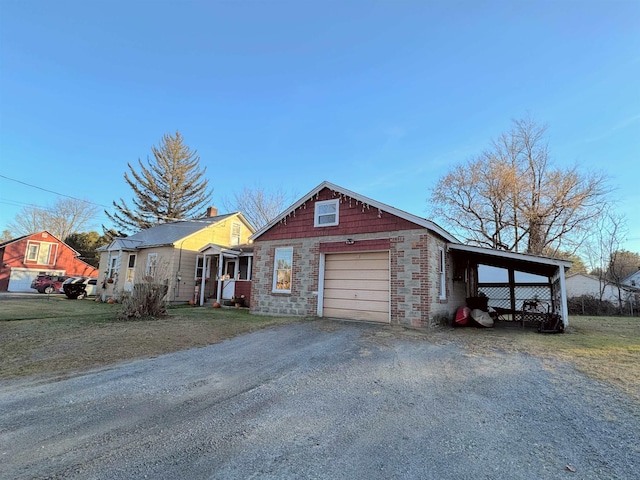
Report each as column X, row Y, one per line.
column 521, row 262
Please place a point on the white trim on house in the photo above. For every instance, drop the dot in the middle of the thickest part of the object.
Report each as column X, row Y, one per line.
column 320, row 292
column 320, row 217
column 286, row 253
column 632, row 280
column 356, row 196
column 442, row 271
column 511, row 255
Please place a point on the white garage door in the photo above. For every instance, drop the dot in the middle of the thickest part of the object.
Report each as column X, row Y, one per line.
column 356, row 286
column 20, row 280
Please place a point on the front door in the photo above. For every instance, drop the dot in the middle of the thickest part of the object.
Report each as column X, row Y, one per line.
column 129, row 279
column 229, row 279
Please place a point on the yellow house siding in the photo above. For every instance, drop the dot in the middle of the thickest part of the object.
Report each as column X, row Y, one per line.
column 219, row 233
column 177, row 260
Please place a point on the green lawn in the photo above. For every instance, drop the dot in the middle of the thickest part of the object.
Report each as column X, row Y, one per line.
column 52, row 335
column 57, row 336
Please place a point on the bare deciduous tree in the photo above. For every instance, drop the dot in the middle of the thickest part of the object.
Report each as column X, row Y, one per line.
column 512, row 198
column 622, row 264
column 65, row 217
column 258, row 205
column 600, row 246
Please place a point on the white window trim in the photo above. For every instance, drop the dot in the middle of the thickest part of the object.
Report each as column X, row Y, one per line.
column 442, row 267
column 275, row 269
column 206, row 267
column 235, row 239
column 37, row 251
column 147, row 270
column 52, row 253
column 317, row 215
column 113, row 268
column 131, row 269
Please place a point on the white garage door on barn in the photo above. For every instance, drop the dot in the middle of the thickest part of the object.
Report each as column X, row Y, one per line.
column 20, row 279
column 356, row 286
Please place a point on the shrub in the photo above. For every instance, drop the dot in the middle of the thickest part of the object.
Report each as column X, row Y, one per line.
column 148, row 300
column 589, row 305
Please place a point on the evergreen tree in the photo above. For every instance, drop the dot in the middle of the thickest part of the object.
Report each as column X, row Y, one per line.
column 170, row 187
column 86, row 244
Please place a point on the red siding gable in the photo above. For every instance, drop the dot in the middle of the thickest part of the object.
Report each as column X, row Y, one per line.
column 354, row 217
column 59, row 256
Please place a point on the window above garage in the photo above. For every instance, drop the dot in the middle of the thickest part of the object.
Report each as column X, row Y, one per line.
column 326, row 213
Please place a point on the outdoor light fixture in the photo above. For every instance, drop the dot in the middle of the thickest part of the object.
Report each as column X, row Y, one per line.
column 350, row 241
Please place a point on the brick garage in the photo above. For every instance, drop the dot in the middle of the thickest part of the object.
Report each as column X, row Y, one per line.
column 290, row 256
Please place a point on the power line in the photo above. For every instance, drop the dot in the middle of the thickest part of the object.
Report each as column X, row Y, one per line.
column 168, row 219
column 52, row 191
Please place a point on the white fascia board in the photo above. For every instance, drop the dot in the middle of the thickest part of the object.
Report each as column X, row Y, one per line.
column 512, row 255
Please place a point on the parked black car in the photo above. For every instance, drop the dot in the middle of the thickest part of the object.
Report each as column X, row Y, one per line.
column 80, row 287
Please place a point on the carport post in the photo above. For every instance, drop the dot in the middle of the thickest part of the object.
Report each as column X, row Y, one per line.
column 204, row 274
column 512, row 291
column 564, row 310
column 219, row 290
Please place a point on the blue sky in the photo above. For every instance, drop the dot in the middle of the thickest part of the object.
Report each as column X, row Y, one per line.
column 381, row 98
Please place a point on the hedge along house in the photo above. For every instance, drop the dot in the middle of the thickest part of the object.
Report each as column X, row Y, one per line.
column 171, row 254
column 335, row 253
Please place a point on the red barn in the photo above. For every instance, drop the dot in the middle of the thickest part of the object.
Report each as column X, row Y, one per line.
column 23, row 259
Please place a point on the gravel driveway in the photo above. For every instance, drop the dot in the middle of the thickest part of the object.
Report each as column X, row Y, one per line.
column 324, row 400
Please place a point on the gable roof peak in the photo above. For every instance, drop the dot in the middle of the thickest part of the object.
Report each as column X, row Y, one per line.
column 356, row 196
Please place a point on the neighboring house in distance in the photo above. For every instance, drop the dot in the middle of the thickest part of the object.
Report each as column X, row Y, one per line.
column 580, row 284
column 335, row 253
column 181, row 255
column 624, row 297
column 633, row 280
column 23, row 259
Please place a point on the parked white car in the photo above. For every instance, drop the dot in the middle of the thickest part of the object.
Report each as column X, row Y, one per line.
column 79, row 287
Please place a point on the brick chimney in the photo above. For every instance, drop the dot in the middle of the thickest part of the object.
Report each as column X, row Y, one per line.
column 212, row 212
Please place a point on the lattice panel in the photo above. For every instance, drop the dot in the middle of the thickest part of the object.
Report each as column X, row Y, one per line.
column 499, row 296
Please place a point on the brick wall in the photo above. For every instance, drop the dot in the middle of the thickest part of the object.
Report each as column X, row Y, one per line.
column 414, row 274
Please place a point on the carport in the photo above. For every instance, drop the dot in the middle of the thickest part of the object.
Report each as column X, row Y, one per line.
column 510, row 296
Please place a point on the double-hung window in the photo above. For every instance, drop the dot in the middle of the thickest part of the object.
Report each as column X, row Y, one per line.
column 326, row 213
column 202, row 269
column 282, row 270
column 152, row 265
column 32, row 252
column 113, row 270
column 235, row 233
